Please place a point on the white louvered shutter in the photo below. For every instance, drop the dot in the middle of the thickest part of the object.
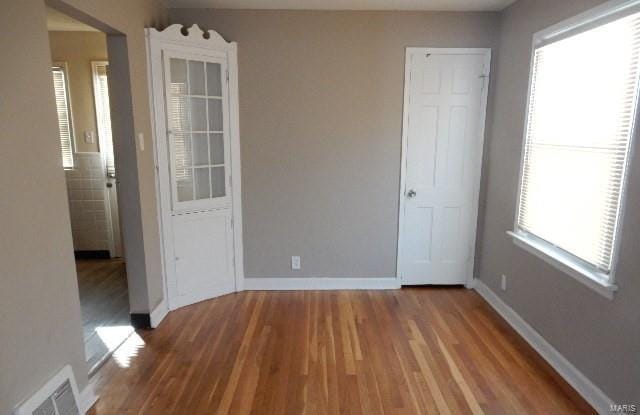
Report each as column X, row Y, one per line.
column 60, row 86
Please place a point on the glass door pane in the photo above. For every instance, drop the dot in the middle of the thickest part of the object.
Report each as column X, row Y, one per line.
column 196, row 78
column 214, row 80
column 196, row 123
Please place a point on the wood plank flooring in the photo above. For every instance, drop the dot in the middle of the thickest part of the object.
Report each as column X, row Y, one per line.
column 409, row 351
column 104, row 301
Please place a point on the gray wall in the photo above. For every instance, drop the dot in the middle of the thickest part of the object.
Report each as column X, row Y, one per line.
column 40, row 324
column 320, row 120
column 600, row 337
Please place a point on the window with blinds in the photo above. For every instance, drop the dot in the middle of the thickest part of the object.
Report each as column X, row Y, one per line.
column 582, row 105
column 103, row 115
column 60, row 86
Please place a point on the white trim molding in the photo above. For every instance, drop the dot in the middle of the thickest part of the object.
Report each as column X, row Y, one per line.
column 565, row 263
column 609, row 10
column 87, row 399
column 110, row 192
column 158, row 314
column 585, row 387
column 320, row 283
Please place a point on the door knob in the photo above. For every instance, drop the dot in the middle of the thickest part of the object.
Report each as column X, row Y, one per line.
column 411, row 193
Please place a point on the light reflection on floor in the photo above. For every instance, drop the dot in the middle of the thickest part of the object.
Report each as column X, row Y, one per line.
column 123, row 341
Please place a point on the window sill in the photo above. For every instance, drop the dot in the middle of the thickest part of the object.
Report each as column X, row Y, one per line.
column 592, row 279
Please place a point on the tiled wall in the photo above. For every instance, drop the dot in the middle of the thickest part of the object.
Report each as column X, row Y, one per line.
column 86, row 189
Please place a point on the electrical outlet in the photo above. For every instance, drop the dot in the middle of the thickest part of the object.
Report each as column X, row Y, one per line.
column 295, row 262
column 503, row 283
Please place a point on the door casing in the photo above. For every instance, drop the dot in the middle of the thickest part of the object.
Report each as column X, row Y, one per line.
column 110, row 192
column 194, row 43
column 410, row 51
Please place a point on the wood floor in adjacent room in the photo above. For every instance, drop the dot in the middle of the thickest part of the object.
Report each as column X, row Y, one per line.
column 409, row 351
column 104, row 301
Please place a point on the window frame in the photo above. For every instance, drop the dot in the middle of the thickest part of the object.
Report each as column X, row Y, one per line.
column 95, row 64
column 65, row 69
column 577, row 268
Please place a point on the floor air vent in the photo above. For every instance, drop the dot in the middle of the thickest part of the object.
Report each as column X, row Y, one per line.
column 58, row 397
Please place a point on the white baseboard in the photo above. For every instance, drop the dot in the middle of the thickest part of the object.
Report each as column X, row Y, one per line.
column 87, row 399
column 320, row 283
column 471, row 284
column 158, row 314
column 587, row 389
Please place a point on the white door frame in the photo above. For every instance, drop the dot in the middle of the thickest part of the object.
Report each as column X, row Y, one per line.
column 405, row 131
column 110, row 194
column 192, row 42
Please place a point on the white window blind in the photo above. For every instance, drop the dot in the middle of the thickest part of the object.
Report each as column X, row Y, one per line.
column 103, row 115
column 580, row 120
column 60, row 87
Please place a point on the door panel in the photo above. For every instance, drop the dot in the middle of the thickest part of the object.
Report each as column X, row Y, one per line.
column 202, row 242
column 420, row 249
column 199, row 158
column 443, row 153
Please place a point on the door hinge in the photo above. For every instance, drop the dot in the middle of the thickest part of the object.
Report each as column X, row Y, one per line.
column 230, row 181
column 227, row 75
column 484, row 78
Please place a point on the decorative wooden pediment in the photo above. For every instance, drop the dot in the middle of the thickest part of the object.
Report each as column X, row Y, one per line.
column 194, row 34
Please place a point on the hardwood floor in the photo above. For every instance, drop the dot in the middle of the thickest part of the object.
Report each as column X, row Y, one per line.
column 104, row 301
column 409, row 351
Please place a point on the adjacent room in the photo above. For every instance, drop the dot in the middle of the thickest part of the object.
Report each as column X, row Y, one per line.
column 79, row 67
column 320, row 207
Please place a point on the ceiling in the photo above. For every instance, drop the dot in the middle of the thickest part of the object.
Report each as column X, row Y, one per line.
column 60, row 22
column 434, row 5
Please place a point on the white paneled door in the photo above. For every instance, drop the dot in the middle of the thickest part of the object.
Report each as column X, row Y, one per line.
column 198, row 141
column 194, row 90
column 445, row 101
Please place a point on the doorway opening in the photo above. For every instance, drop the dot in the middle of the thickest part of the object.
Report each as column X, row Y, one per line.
column 80, row 75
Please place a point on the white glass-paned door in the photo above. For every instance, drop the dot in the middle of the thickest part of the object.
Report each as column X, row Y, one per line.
column 197, row 121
